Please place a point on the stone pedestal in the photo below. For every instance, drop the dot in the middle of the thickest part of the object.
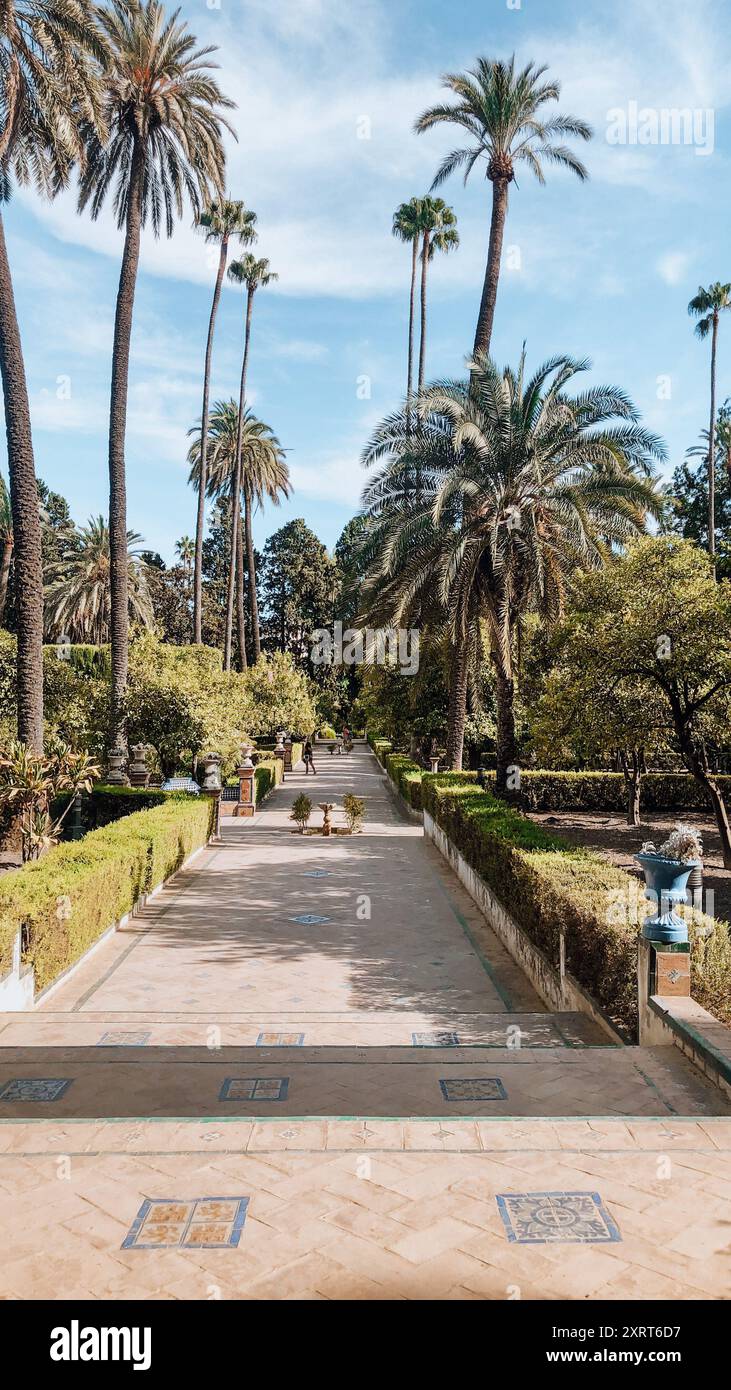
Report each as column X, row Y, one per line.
column 246, row 804
column 210, row 771
column 138, row 773
column 434, row 763
column 287, row 755
column 116, row 775
column 663, row 971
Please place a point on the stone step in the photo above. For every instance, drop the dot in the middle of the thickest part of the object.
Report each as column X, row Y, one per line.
column 176, row 1082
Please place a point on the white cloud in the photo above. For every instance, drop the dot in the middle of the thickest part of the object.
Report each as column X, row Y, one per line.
column 672, row 267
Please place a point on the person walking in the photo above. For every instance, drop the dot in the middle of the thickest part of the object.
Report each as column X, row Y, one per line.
column 309, row 757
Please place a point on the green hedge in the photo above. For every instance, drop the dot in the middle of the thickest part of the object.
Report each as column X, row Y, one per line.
column 549, row 886
column 409, row 778
column 381, row 746
column 267, row 775
column 607, row 791
column 101, row 877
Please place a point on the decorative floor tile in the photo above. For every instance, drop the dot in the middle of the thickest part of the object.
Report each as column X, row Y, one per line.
column 435, row 1039
column 254, row 1088
column 309, row 919
column 317, row 873
column 204, row 1223
column 474, row 1088
column 45, row 1088
column 280, row 1039
column 124, row 1037
column 537, row 1218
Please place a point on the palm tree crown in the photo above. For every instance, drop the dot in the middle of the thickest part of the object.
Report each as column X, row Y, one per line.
column 706, row 306
column 161, row 99
column 263, row 462
column 520, row 484
column 252, row 273
column 78, row 598
column 227, row 218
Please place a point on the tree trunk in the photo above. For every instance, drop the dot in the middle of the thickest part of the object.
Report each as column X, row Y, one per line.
column 5, row 572
column 118, row 556
column 201, row 518
column 696, row 760
column 251, row 568
column 26, row 515
column 720, row 811
column 240, row 607
column 712, row 449
column 632, row 772
column 412, row 310
column 422, row 339
column 457, row 706
column 486, row 317
column 236, row 495
column 506, row 741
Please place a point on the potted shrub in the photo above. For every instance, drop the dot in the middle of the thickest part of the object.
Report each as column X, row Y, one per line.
column 301, row 811
column 354, row 808
column 666, row 871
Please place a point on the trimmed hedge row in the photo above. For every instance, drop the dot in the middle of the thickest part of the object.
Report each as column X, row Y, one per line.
column 67, row 900
column 607, row 791
column 268, row 774
column 550, row 887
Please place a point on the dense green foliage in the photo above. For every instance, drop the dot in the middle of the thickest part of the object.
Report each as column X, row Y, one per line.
column 67, row 900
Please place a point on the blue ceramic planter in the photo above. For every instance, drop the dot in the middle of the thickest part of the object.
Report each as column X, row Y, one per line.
column 666, row 883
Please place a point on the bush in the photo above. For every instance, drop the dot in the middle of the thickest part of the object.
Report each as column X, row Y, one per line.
column 380, row 745
column 607, row 791
column 354, row 807
column 65, row 901
column 301, row 811
column 267, row 775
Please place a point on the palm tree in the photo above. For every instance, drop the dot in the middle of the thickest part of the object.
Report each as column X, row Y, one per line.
column 499, row 109
column 185, row 551
column 438, row 233
column 254, row 275
column 164, row 117
column 407, row 227
column 46, row 86
column 221, row 221
column 707, row 306
column 263, row 474
column 6, row 544
column 521, row 484
column 78, row 598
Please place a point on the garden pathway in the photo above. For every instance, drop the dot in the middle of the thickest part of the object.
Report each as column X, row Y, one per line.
column 323, row 1037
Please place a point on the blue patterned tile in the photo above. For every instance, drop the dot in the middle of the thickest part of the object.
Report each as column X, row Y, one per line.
column 309, row 919
column 205, row 1223
column 280, row 1039
column 539, row 1218
column 317, row 873
column 473, row 1088
column 254, row 1088
column 435, row 1039
column 124, row 1037
column 36, row 1088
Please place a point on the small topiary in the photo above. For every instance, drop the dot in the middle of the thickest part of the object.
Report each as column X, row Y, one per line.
column 354, row 807
column 301, row 811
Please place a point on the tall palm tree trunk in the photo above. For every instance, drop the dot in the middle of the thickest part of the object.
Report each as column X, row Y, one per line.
column 412, row 316
column 5, row 572
column 251, row 568
column 486, row 316
column 457, row 706
column 712, row 450
column 118, row 556
column 240, row 608
column 236, row 499
column 422, row 339
column 507, row 748
column 201, row 518
column 26, row 515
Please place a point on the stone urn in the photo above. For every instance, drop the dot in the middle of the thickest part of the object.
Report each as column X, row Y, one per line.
column 211, row 772
column 117, row 766
column 326, row 807
column 666, row 884
column 139, row 775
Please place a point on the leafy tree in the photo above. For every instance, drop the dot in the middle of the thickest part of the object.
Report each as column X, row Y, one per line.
column 522, row 483
column 163, row 145
column 499, row 108
column 223, row 219
column 707, row 307
column 281, row 696
column 301, row 811
column 47, row 88
column 663, row 627
column 689, row 493
column 300, row 588
column 169, row 591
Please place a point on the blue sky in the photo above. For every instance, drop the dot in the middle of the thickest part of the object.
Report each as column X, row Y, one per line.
column 606, row 269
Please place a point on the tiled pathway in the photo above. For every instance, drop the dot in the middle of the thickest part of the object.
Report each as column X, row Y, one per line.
column 309, row 1070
